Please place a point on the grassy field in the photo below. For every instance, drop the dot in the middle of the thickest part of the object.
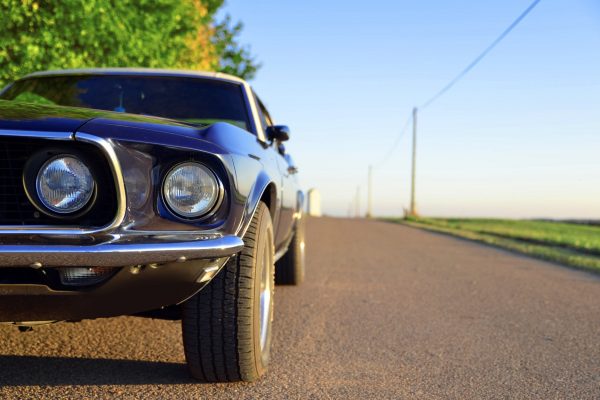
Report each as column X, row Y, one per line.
column 575, row 245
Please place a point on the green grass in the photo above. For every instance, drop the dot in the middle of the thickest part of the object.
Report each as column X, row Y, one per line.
column 570, row 244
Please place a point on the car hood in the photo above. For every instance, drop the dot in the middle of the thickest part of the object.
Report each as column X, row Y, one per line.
column 217, row 138
column 20, row 116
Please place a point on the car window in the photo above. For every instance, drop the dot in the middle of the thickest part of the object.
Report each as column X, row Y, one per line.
column 35, row 98
column 263, row 114
column 194, row 100
column 263, row 109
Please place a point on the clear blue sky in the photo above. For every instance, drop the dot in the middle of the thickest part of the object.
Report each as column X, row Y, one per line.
column 518, row 137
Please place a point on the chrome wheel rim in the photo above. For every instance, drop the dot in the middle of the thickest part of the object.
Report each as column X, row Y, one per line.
column 266, row 291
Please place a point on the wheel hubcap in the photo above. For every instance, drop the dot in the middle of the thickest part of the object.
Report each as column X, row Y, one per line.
column 265, row 299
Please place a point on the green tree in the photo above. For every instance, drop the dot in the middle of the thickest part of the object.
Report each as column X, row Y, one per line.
column 235, row 59
column 45, row 34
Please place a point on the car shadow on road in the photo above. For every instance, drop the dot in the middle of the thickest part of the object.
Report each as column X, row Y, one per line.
column 58, row 371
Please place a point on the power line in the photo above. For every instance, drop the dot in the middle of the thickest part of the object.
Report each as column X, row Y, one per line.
column 396, row 142
column 381, row 163
column 481, row 56
column 442, row 91
column 458, row 77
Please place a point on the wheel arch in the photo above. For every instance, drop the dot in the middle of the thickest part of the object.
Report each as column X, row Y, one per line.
column 269, row 197
column 265, row 190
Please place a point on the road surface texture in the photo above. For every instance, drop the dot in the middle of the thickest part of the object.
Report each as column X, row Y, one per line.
column 387, row 312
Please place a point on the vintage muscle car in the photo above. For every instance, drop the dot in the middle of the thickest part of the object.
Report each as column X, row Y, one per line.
column 156, row 193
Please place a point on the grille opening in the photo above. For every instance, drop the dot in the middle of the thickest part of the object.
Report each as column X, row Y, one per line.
column 16, row 209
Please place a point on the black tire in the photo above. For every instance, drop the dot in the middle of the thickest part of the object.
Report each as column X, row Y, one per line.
column 290, row 268
column 221, row 324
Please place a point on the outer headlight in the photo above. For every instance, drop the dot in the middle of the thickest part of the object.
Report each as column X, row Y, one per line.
column 64, row 184
column 191, row 190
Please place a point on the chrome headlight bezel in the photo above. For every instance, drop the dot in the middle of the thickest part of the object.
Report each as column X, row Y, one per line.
column 207, row 212
column 88, row 199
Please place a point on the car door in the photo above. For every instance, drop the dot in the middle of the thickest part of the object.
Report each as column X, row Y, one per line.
column 288, row 187
column 290, row 192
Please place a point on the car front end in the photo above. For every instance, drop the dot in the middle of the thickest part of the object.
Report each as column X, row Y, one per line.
column 108, row 216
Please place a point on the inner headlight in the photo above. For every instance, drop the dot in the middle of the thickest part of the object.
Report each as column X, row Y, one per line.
column 64, row 184
column 191, row 190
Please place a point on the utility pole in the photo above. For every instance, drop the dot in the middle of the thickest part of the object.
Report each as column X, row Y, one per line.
column 413, row 206
column 370, row 194
column 357, row 210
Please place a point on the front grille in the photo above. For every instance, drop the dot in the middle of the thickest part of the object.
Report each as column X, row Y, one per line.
column 17, row 209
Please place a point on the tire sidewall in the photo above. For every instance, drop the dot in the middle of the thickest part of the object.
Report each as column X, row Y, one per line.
column 264, row 248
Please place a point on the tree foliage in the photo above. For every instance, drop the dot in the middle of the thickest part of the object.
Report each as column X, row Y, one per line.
column 235, row 59
column 46, row 34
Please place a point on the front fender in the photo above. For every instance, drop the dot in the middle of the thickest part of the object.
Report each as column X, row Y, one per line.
column 249, row 166
column 263, row 186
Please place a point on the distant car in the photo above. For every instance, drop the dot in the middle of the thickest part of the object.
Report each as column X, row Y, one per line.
column 157, row 193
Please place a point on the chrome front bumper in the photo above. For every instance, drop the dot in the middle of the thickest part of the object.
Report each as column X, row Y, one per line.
column 118, row 253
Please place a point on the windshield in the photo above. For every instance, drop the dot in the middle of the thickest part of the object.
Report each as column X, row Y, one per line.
column 193, row 100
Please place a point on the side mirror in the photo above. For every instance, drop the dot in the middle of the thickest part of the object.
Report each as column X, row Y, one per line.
column 280, row 133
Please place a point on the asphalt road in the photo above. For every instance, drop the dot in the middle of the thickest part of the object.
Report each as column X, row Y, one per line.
column 387, row 312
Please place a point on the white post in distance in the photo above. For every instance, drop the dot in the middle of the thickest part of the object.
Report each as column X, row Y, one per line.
column 314, row 203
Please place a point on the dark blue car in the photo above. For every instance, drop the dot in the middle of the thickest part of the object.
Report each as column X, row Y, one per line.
column 156, row 193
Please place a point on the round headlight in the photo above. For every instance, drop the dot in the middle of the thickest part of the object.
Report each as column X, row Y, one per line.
column 64, row 184
column 191, row 190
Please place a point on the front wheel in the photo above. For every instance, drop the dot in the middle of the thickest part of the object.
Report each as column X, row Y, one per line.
column 227, row 325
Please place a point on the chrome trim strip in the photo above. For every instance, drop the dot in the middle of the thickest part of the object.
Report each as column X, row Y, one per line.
column 136, row 71
column 117, row 254
column 39, row 134
column 260, row 130
column 117, row 172
column 105, row 146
